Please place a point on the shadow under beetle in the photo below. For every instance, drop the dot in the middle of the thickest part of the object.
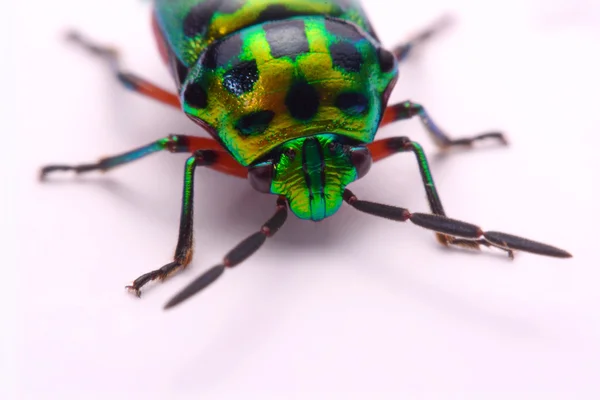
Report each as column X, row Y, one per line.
column 292, row 93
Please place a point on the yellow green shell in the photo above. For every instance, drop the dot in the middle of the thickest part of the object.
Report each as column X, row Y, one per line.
column 189, row 26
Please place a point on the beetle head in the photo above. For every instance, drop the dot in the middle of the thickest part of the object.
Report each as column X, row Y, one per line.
column 312, row 173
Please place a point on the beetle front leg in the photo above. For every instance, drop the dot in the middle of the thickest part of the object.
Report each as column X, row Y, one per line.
column 127, row 79
column 408, row 109
column 384, row 148
column 185, row 242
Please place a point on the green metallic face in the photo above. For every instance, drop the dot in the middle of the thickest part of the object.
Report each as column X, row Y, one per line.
column 312, row 173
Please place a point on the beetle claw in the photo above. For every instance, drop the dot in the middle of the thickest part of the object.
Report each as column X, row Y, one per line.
column 132, row 289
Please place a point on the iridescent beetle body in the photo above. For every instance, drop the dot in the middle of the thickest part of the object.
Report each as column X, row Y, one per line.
column 293, row 93
column 257, row 74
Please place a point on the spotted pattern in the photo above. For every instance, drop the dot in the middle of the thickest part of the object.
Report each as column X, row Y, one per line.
column 223, row 52
column 352, row 103
column 286, row 85
column 198, row 18
column 346, row 56
column 195, row 95
column 190, row 26
column 267, row 84
column 286, row 38
column 302, row 101
column 255, row 123
column 241, row 78
column 278, row 12
column 343, row 29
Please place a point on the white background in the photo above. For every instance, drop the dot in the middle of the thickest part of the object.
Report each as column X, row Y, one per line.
column 352, row 307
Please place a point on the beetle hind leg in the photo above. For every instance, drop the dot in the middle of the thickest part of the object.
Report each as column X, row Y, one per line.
column 403, row 51
column 129, row 80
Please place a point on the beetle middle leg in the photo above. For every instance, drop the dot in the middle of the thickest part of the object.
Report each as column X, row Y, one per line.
column 408, row 109
column 172, row 143
column 127, row 79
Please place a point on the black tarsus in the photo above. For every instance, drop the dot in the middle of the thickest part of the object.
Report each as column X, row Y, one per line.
column 454, row 227
column 75, row 168
column 242, row 251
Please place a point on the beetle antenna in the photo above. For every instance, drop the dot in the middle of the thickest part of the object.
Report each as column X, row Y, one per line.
column 239, row 253
column 468, row 232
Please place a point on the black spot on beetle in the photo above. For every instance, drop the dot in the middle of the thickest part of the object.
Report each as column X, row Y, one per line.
column 195, row 95
column 181, row 71
column 286, row 38
column 221, row 53
column 302, row 101
column 255, row 123
column 352, row 103
column 241, row 78
column 386, row 60
column 346, row 56
column 199, row 17
column 343, row 29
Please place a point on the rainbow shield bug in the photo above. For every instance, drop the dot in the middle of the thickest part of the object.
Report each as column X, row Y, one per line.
column 292, row 93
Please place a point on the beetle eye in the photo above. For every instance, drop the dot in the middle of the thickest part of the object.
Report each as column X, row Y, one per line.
column 261, row 177
column 387, row 60
column 290, row 153
column 361, row 159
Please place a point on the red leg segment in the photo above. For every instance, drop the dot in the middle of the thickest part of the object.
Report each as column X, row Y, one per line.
column 129, row 80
